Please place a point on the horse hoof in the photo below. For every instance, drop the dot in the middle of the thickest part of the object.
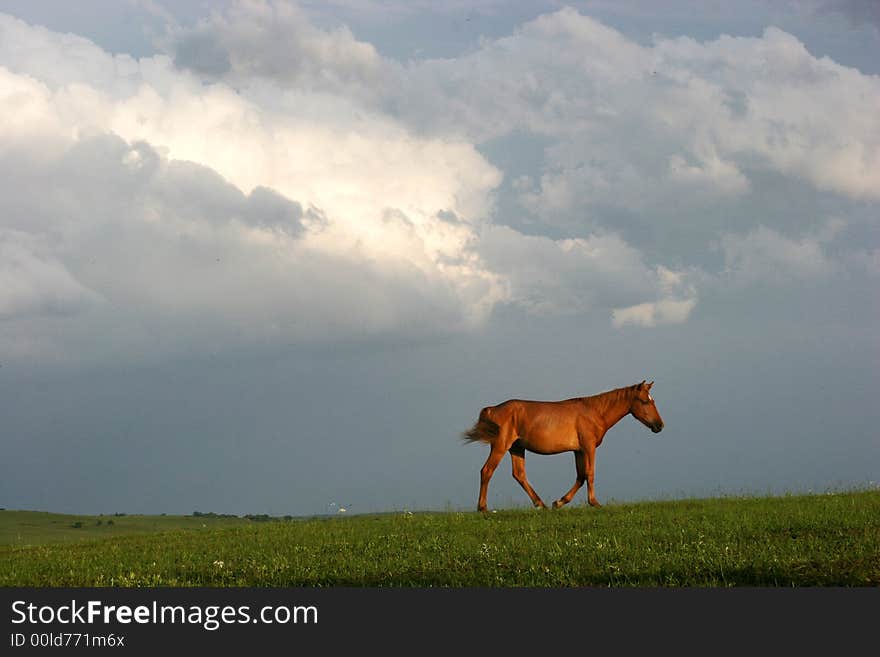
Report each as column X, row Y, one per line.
column 557, row 504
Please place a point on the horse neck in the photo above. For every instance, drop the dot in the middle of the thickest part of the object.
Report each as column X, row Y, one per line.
column 616, row 405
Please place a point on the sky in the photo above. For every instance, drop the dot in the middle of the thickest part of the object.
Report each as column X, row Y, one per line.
column 274, row 257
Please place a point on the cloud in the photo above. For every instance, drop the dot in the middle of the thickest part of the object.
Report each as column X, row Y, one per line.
column 274, row 40
column 709, row 172
column 269, row 180
column 34, row 283
column 659, row 132
column 767, row 257
column 677, row 297
column 148, row 253
column 665, row 311
column 563, row 276
column 858, row 12
column 190, row 207
column 638, row 127
column 596, row 273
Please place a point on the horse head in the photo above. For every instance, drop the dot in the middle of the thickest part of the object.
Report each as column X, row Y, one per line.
column 644, row 409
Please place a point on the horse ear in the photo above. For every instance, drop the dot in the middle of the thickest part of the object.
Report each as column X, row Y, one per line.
column 650, row 384
column 642, row 384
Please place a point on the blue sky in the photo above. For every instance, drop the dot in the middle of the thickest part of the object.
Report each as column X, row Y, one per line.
column 268, row 257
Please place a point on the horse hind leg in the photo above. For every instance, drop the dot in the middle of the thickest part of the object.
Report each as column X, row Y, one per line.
column 495, row 456
column 518, row 460
column 590, row 458
column 581, row 478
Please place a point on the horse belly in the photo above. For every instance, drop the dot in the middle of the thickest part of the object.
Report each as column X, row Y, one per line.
column 547, row 442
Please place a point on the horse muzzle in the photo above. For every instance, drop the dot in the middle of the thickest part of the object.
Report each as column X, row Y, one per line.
column 657, row 427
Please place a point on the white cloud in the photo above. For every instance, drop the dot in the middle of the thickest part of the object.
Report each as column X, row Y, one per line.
column 710, row 172
column 272, row 180
column 596, row 273
column 676, row 298
column 769, row 97
column 665, row 311
column 767, row 257
column 194, row 210
column 562, row 276
column 150, row 252
column 669, row 124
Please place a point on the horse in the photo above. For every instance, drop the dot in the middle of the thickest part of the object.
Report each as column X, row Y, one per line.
column 551, row 427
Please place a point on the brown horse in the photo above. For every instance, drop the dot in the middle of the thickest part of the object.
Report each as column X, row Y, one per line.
column 575, row 425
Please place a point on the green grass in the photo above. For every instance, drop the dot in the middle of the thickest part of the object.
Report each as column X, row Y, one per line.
column 815, row 540
column 31, row 528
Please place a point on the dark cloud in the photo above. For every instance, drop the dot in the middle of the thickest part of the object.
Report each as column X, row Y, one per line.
column 273, row 40
column 202, row 53
column 269, row 209
column 858, row 12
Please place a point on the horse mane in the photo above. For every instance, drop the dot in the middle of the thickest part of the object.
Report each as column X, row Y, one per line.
column 610, row 397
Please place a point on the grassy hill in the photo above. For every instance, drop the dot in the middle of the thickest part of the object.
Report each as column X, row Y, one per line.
column 30, row 528
column 809, row 540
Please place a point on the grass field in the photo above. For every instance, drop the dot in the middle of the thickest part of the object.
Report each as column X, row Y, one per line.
column 32, row 528
column 815, row 540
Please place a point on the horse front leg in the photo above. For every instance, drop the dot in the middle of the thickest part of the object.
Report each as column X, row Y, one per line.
column 581, row 477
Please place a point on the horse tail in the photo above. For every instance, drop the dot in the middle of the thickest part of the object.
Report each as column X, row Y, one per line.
column 484, row 430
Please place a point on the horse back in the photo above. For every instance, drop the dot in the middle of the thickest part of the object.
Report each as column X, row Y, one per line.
column 524, row 415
